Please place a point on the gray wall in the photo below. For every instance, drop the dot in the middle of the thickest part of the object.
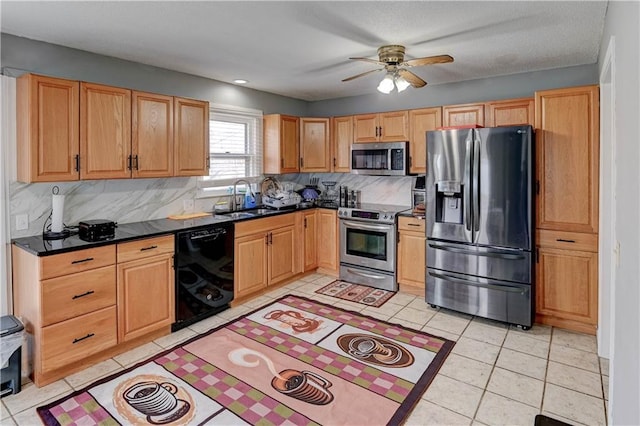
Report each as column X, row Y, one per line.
column 49, row 59
column 488, row 89
column 623, row 23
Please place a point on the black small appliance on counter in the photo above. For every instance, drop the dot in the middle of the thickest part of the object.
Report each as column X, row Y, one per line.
column 96, row 230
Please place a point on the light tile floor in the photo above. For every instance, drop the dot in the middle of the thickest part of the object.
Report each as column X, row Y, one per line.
column 495, row 375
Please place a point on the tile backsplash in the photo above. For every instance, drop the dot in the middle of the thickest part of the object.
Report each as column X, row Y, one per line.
column 134, row 200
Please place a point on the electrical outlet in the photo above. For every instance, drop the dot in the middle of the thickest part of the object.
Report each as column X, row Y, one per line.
column 187, row 205
column 22, row 222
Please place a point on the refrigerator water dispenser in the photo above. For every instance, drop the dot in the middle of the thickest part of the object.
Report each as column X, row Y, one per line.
column 449, row 202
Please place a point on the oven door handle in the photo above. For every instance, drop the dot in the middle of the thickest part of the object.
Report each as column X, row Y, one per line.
column 363, row 274
column 360, row 225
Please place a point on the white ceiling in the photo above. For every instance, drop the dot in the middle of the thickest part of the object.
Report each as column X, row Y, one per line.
column 300, row 49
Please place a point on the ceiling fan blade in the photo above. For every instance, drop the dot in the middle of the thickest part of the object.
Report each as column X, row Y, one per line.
column 373, row 61
column 362, row 74
column 429, row 60
column 413, row 79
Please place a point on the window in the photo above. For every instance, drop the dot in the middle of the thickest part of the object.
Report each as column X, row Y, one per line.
column 235, row 147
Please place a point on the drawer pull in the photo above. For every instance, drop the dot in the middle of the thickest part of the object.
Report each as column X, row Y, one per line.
column 148, row 248
column 78, row 296
column 414, row 224
column 88, row 259
column 562, row 240
column 83, row 338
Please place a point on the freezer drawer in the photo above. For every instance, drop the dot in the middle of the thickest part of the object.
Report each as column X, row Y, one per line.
column 491, row 262
column 482, row 297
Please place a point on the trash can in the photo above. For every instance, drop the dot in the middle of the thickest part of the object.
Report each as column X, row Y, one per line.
column 11, row 338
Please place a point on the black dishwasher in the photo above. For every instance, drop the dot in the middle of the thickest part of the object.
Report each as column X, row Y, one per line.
column 204, row 273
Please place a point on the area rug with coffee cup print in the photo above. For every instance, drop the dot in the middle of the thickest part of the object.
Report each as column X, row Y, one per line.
column 294, row 361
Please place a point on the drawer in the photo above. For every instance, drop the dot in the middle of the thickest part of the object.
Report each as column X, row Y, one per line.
column 77, row 294
column 72, row 340
column 567, row 240
column 77, row 261
column 148, row 247
column 411, row 224
column 267, row 224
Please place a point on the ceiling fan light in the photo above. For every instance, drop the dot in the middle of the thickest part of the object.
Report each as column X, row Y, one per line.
column 401, row 83
column 386, row 85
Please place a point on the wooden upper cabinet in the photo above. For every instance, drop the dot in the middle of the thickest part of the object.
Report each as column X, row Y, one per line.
column 315, row 152
column 365, row 128
column 512, row 112
column 463, row 115
column 47, row 129
column 105, row 132
column 342, row 137
column 281, row 144
column 567, row 144
column 421, row 121
column 383, row 127
column 191, row 137
column 152, row 135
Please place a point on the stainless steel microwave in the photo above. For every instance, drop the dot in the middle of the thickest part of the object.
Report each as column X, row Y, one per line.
column 381, row 159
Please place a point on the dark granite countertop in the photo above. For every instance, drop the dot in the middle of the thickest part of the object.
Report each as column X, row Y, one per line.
column 136, row 230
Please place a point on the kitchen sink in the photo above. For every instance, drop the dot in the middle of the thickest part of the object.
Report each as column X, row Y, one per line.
column 239, row 215
column 262, row 211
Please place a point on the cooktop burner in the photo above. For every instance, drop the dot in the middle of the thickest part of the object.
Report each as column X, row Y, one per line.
column 187, row 277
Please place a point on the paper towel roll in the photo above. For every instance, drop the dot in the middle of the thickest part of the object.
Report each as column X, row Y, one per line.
column 57, row 211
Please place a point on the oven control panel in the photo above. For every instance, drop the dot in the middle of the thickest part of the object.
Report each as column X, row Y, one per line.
column 367, row 215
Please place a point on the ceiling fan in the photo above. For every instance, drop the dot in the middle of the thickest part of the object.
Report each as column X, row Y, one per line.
column 391, row 57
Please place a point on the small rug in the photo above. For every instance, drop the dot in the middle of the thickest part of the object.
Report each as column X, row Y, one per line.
column 294, row 361
column 356, row 293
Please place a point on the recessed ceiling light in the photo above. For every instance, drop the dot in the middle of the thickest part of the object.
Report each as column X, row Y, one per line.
column 240, row 81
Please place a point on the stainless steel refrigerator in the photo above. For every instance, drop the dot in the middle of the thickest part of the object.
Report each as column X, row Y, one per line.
column 479, row 201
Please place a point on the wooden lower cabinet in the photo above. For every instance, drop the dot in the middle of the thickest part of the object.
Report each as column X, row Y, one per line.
column 411, row 255
column 145, row 296
column 309, row 234
column 265, row 252
column 567, row 281
column 84, row 306
column 328, row 242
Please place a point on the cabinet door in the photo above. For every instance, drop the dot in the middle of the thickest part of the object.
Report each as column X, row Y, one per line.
column 567, row 132
column 394, row 126
column 310, row 231
column 282, row 250
column 463, row 115
column 289, row 146
column 328, row 241
column 145, row 296
column 47, row 128
column 105, row 132
column 250, row 264
column 191, row 137
column 365, row 128
column 314, row 145
column 152, row 135
column 567, row 290
column 421, row 121
column 411, row 259
column 342, row 128
column 512, row 112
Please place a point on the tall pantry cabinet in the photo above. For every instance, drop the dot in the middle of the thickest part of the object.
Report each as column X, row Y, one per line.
column 567, row 156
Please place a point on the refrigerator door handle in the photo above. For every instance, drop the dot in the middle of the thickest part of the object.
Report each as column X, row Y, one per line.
column 510, row 289
column 476, row 187
column 468, row 213
column 490, row 253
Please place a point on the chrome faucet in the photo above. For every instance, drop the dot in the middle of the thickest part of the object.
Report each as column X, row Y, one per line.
column 233, row 199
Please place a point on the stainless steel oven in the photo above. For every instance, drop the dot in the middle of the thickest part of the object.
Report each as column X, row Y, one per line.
column 368, row 245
